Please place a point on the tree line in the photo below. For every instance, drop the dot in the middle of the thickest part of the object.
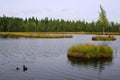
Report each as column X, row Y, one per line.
column 15, row 24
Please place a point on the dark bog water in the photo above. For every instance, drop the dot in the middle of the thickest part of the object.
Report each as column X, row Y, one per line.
column 46, row 60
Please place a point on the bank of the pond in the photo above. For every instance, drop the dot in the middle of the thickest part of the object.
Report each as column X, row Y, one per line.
column 99, row 33
column 90, row 51
column 49, row 34
column 33, row 35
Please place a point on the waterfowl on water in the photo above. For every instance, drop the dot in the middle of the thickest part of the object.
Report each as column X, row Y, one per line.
column 17, row 68
column 24, row 68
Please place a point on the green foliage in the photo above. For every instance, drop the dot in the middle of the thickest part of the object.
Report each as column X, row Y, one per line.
column 103, row 21
column 102, row 18
column 15, row 24
column 90, row 51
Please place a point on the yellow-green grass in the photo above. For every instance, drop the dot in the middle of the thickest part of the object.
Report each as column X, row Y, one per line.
column 50, row 34
column 99, row 33
column 90, row 51
column 33, row 35
column 104, row 38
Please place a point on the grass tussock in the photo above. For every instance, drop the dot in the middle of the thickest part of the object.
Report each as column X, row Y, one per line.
column 33, row 35
column 104, row 38
column 90, row 51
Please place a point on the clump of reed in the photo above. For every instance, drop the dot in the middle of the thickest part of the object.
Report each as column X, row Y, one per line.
column 90, row 51
column 104, row 38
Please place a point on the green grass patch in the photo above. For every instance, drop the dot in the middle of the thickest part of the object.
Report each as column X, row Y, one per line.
column 90, row 51
column 104, row 38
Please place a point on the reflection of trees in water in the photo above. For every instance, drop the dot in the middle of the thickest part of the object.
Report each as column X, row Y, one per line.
column 95, row 63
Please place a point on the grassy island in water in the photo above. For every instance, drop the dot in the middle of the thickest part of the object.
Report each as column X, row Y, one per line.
column 33, row 35
column 104, row 38
column 90, row 51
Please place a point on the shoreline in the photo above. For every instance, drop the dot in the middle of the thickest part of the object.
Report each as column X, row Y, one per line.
column 97, row 33
column 49, row 34
column 33, row 35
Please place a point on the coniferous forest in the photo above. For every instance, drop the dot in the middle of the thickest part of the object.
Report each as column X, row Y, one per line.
column 15, row 24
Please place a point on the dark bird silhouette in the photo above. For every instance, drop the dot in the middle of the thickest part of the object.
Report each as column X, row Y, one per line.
column 17, row 68
column 24, row 68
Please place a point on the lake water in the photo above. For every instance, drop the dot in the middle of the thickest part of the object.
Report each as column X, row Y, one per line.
column 46, row 60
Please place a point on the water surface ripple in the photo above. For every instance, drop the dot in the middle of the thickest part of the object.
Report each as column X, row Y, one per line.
column 46, row 60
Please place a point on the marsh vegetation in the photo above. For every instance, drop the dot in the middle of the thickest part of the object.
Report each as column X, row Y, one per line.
column 104, row 38
column 33, row 35
column 90, row 51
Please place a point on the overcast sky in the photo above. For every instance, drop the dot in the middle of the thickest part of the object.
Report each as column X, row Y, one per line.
column 87, row 10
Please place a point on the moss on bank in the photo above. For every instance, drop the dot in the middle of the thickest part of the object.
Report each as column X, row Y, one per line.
column 90, row 51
